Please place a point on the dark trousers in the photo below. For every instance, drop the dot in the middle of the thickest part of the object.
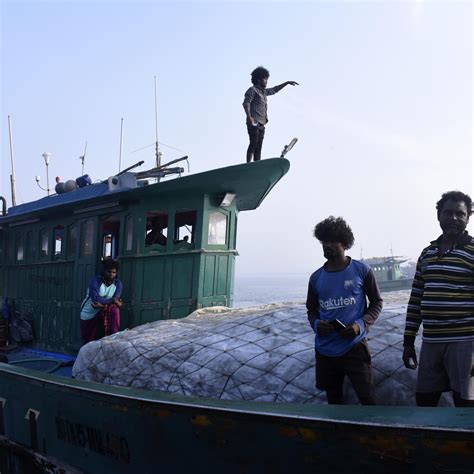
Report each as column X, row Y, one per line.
column 356, row 364
column 256, row 134
column 89, row 326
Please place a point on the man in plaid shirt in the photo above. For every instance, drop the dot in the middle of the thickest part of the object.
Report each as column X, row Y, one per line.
column 255, row 106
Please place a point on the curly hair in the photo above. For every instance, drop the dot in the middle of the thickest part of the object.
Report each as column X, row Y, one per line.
column 456, row 196
column 334, row 229
column 109, row 264
column 259, row 73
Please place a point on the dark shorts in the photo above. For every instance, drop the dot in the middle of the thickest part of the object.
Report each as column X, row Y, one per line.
column 356, row 364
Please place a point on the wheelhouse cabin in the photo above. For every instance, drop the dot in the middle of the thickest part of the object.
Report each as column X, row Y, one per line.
column 175, row 241
column 388, row 274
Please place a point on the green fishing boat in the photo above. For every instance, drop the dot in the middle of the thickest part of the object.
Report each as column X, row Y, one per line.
column 388, row 273
column 50, row 422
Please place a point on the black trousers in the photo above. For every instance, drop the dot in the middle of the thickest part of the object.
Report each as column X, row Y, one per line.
column 256, row 134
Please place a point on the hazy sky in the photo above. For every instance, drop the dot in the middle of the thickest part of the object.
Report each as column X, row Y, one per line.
column 383, row 112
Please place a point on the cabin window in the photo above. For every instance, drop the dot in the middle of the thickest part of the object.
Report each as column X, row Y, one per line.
column 128, row 233
column 87, row 238
column 58, row 240
column 184, row 226
column 20, row 248
column 30, row 246
column 217, row 229
column 72, row 241
column 10, row 246
column 156, row 229
column 108, row 245
column 44, row 240
column 110, row 236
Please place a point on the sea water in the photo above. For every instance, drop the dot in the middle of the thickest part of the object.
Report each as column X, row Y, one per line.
column 255, row 290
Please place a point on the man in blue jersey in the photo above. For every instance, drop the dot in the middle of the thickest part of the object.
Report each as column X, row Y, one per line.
column 442, row 298
column 339, row 315
column 102, row 303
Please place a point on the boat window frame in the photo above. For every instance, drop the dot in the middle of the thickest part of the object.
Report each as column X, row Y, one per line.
column 125, row 226
column 62, row 253
column 182, row 244
column 69, row 255
column 234, row 243
column 162, row 248
column 9, row 247
column 20, row 243
column 83, row 254
column 227, row 216
column 45, row 231
column 31, row 247
column 114, row 221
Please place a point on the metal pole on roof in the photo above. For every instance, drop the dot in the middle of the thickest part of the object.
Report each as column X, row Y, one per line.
column 121, row 143
column 47, row 157
column 83, row 158
column 157, row 150
column 12, row 176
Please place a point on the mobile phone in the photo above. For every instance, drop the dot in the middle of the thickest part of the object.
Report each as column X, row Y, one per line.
column 338, row 325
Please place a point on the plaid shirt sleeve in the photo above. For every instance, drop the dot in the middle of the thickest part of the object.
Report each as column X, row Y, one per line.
column 271, row 91
column 249, row 95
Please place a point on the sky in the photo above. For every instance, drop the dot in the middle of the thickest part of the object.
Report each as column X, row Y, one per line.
column 383, row 112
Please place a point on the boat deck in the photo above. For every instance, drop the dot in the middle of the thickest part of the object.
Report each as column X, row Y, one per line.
column 394, row 383
column 44, row 361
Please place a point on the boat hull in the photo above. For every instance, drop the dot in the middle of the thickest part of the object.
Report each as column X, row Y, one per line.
column 395, row 285
column 98, row 428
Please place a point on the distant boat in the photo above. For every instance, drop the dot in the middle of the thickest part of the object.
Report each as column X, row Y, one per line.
column 388, row 273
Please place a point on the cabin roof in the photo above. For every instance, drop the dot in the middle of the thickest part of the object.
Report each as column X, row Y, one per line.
column 250, row 182
column 384, row 260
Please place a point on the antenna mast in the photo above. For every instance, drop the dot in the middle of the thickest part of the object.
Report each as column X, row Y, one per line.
column 12, row 176
column 157, row 151
column 121, row 143
column 82, row 158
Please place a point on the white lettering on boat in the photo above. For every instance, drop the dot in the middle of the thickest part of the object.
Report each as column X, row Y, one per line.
column 106, row 444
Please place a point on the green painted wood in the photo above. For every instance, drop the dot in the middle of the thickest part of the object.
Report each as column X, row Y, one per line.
column 222, row 272
column 182, row 277
column 154, row 278
column 159, row 282
column 100, row 428
column 209, row 271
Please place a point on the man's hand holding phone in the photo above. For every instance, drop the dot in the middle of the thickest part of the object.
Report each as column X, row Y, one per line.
column 337, row 325
column 351, row 331
column 324, row 328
